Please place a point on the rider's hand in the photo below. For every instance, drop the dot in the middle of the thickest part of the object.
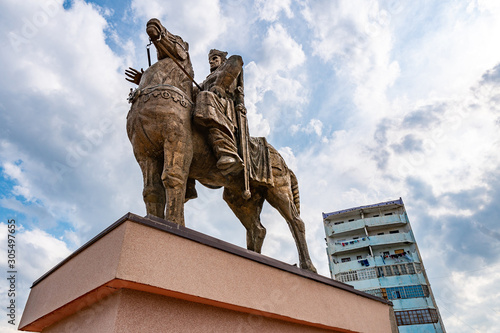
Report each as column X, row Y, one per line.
column 241, row 108
column 134, row 75
column 218, row 91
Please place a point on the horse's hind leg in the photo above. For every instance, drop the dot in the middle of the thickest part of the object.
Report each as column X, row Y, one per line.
column 154, row 192
column 281, row 198
column 248, row 212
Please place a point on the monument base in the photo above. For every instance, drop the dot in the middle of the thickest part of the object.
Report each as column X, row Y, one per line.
column 150, row 275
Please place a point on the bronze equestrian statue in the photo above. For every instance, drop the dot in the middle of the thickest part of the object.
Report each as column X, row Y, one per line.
column 171, row 127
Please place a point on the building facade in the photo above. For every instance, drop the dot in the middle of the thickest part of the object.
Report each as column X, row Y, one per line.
column 373, row 249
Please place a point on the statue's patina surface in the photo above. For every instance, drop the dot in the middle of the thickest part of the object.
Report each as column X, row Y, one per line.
column 180, row 134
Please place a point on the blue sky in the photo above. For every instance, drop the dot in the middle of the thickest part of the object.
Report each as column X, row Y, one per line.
column 367, row 101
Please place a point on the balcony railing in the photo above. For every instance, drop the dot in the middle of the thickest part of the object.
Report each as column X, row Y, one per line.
column 349, row 245
column 352, row 265
column 354, row 244
column 373, row 262
column 347, row 226
column 386, row 220
column 391, row 239
column 368, row 222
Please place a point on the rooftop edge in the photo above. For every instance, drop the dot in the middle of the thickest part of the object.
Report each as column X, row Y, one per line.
column 380, row 204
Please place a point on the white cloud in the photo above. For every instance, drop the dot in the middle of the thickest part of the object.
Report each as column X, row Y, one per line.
column 357, row 41
column 449, row 56
column 282, row 56
column 269, row 10
column 199, row 22
column 39, row 252
column 461, row 142
column 314, row 126
column 67, row 119
column 289, row 157
column 35, row 253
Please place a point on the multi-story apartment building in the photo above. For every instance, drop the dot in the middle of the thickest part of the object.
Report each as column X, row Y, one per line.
column 373, row 249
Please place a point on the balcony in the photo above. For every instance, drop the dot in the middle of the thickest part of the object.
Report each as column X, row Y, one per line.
column 352, row 265
column 371, row 222
column 409, row 257
column 346, row 227
column 391, row 239
column 350, row 245
column 389, row 220
column 376, row 261
column 374, row 241
column 412, row 303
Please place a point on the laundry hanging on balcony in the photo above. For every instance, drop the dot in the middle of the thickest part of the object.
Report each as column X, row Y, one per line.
column 354, row 241
column 364, row 262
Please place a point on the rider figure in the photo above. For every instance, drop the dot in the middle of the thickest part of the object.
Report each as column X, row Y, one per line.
column 216, row 106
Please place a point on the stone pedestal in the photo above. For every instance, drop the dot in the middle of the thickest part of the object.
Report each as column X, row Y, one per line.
column 149, row 275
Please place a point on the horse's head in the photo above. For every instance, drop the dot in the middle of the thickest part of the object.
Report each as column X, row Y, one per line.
column 167, row 44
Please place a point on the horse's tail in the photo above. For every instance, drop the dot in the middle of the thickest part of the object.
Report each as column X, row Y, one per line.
column 295, row 190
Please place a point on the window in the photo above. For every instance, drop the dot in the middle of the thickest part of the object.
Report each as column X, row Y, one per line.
column 355, row 238
column 401, row 251
column 359, row 257
column 376, row 215
column 386, row 253
column 398, row 269
column 418, row 267
column 414, row 291
column 337, row 223
column 415, row 317
column 351, row 220
column 346, row 259
column 362, row 274
column 387, row 214
column 347, row 276
column 366, row 274
column 375, row 292
column 380, row 233
column 394, row 232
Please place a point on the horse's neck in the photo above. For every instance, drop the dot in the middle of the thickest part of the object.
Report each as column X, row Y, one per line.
column 166, row 71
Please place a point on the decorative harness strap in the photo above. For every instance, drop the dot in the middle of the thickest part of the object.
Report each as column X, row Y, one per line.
column 163, row 90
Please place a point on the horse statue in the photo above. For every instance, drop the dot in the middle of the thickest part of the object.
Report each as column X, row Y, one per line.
column 170, row 149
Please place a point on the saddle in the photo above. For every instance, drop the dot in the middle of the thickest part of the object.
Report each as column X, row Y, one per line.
column 259, row 167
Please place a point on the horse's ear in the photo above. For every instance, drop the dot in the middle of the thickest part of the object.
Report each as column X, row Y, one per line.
column 186, row 46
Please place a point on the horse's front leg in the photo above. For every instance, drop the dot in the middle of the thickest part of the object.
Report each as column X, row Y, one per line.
column 178, row 153
column 154, row 192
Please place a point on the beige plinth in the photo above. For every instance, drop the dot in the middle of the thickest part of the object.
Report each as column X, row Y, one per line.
column 149, row 275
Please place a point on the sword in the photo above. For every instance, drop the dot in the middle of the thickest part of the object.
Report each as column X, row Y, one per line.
column 243, row 124
column 243, row 135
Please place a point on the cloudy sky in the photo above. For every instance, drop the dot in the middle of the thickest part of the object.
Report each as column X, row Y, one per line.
column 367, row 101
